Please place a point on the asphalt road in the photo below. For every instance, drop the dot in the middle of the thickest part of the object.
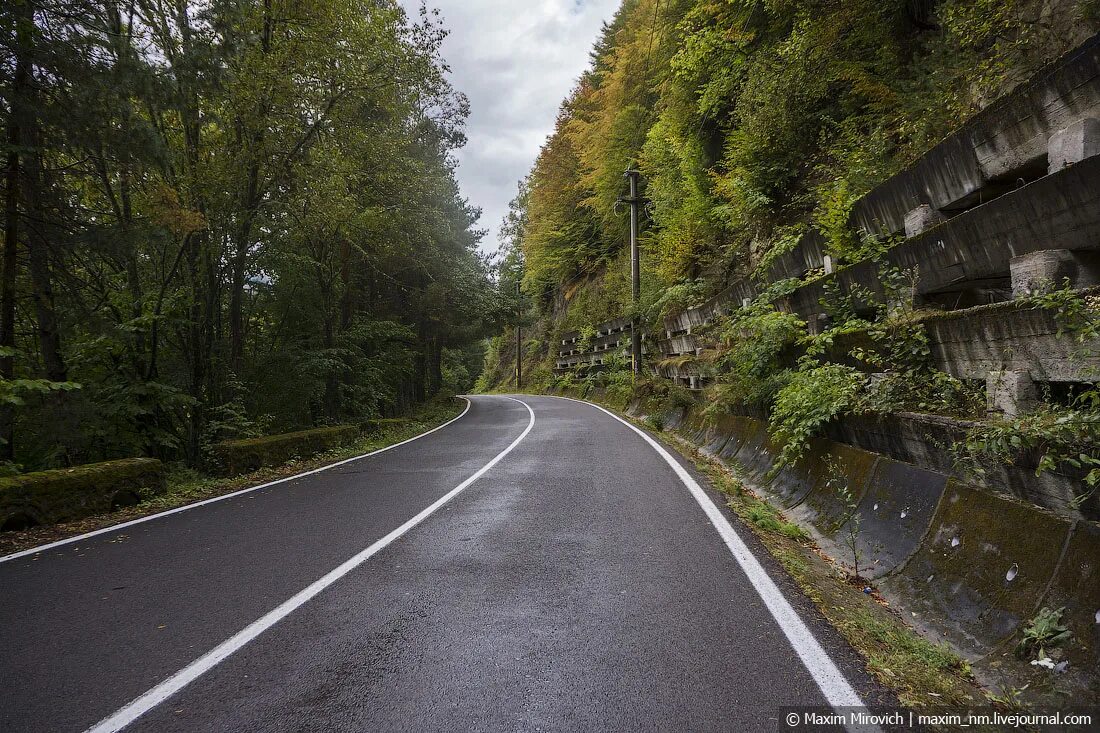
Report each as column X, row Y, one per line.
column 575, row 583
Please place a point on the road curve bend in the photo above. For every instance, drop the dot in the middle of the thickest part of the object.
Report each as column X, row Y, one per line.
column 536, row 564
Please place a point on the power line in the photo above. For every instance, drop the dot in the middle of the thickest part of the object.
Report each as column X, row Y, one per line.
column 645, row 71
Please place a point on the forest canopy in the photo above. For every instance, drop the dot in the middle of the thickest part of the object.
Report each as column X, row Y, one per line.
column 224, row 218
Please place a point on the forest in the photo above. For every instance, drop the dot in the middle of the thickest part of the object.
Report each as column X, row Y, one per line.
column 227, row 218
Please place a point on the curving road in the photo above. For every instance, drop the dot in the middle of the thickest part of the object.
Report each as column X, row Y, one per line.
column 534, row 564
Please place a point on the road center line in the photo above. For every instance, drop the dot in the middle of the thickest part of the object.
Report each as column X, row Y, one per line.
column 149, row 700
column 223, row 497
column 831, row 681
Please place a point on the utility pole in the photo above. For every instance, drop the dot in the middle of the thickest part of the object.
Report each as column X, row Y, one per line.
column 635, row 275
column 519, row 344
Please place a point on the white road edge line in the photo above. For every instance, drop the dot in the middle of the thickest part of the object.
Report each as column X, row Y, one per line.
column 146, row 702
column 204, row 502
column 834, row 686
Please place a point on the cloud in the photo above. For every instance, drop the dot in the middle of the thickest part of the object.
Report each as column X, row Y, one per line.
column 516, row 60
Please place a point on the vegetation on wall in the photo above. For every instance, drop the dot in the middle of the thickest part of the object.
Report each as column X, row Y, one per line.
column 752, row 122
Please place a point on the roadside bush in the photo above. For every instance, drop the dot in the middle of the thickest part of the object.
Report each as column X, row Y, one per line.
column 235, row 457
column 810, row 400
column 750, row 363
column 65, row 494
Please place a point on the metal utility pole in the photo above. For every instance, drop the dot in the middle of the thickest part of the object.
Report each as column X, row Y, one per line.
column 635, row 275
column 519, row 344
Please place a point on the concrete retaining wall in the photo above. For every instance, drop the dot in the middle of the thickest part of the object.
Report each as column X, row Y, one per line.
column 926, row 441
column 1007, row 140
column 983, row 568
column 970, row 565
column 611, row 338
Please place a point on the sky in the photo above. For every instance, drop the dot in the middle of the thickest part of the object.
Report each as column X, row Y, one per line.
column 516, row 60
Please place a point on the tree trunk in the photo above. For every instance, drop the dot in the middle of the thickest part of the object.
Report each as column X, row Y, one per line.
column 10, row 261
column 332, row 381
column 49, row 330
column 23, row 113
column 250, row 203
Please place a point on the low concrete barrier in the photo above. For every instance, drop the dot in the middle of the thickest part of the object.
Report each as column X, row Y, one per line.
column 971, row 566
column 236, row 457
column 1076, row 587
column 824, row 508
column 47, row 497
column 983, row 569
column 894, row 515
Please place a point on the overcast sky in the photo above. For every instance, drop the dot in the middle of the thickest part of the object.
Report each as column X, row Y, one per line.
column 516, row 60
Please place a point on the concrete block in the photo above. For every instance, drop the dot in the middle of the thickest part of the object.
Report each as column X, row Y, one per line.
column 817, row 324
column 1049, row 269
column 1073, row 144
column 922, row 218
column 893, row 515
column 830, row 266
column 1076, row 587
column 1010, row 393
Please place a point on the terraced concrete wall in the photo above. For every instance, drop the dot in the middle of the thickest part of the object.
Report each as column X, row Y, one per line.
column 1007, row 140
column 982, row 160
column 970, row 253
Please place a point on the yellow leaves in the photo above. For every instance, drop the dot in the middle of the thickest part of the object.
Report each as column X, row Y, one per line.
column 164, row 207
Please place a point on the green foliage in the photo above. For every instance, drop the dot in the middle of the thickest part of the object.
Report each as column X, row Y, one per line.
column 1077, row 315
column 752, row 118
column 1043, row 632
column 833, row 211
column 678, row 298
column 1065, row 438
column 784, row 240
column 809, row 401
column 750, row 363
column 767, row 518
column 587, row 338
column 231, row 217
column 615, row 378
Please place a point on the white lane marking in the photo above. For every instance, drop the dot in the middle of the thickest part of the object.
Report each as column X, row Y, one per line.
column 204, row 502
column 146, row 702
column 834, row 686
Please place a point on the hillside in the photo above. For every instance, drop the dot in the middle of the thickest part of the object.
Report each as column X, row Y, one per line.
column 753, row 124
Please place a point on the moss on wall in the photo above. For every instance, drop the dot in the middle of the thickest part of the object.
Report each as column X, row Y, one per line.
column 235, row 457
column 48, row 497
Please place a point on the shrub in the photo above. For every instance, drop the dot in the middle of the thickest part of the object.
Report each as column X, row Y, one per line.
column 809, row 401
column 235, row 457
column 750, row 364
column 47, row 497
